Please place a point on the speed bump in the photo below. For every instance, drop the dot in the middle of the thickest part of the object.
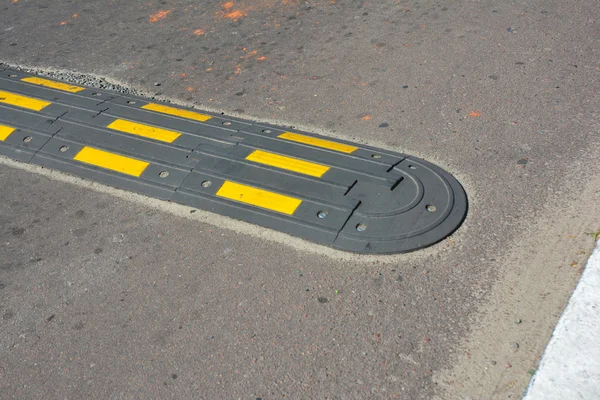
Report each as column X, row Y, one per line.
column 333, row 192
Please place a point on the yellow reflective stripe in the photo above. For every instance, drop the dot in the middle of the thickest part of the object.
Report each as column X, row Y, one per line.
column 22, row 101
column 313, row 141
column 5, row 132
column 259, row 198
column 178, row 112
column 114, row 162
column 52, row 84
column 147, row 131
column 288, row 163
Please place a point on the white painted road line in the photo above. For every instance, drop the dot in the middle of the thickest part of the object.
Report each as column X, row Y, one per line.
column 570, row 367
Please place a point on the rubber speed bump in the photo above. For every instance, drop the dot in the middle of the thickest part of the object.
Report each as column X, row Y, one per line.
column 341, row 194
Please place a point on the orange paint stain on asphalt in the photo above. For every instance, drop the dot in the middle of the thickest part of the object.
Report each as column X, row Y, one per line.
column 230, row 13
column 249, row 54
column 198, row 32
column 474, row 114
column 159, row 15
column 262, row 58
column 235, row 15
column 367, row 117
column 236, row 10
column 74, row 16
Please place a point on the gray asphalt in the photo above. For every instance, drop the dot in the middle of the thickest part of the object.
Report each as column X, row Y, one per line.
column 102, row 296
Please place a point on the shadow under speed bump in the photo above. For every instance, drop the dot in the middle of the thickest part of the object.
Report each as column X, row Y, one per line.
column 336, row 193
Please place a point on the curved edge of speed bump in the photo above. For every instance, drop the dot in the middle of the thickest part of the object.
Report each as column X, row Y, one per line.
column 332, row 192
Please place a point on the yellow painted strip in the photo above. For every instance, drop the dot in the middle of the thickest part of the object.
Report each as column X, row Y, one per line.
column 147, row 131
column 52, row 84
column 260, row 198
column 22, row 101
column 114, row 162
column 5, row 132
column 288, row 163
column 178, row 112
column 313, row 141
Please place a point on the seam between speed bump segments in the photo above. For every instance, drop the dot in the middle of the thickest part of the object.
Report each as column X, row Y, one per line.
column 341, row 194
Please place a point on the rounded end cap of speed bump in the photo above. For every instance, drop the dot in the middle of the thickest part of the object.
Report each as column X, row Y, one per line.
column 426, row 206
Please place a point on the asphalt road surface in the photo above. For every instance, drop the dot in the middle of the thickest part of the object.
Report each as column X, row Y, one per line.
column 104, row 294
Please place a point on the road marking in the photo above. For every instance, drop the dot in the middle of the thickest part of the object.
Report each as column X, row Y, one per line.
column 147, row 131
column 23, row 101
column 259, row 198
column 54, row 85
column 5, row 132
column 111, row 161
column 571, row 362
column 313, row 141
column 177, row 112
column 288, row 163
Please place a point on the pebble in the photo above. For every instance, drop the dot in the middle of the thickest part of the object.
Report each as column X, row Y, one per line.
column 515, row 346
column 518, row 321
column 494, row 362
column 508, row 365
